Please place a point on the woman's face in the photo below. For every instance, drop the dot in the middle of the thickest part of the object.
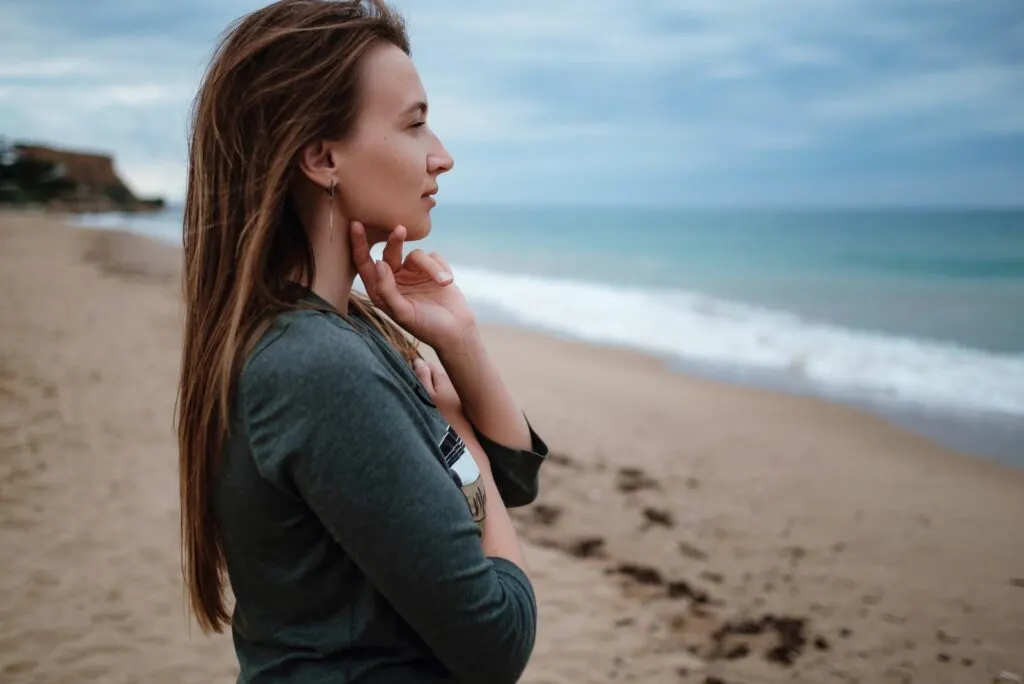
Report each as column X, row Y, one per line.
column 387, row 169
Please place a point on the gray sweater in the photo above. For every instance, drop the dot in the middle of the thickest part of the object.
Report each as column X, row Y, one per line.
column 351, row 546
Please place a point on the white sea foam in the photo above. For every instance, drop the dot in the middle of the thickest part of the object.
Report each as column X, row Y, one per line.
column 694, row 327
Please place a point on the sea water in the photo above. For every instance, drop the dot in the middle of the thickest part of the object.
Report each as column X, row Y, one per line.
column 919, row 312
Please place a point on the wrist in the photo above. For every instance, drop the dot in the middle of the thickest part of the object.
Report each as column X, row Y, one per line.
column 466, row 362
column 467, row 345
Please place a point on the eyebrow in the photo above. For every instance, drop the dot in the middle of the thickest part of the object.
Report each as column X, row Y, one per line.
column 421, row 107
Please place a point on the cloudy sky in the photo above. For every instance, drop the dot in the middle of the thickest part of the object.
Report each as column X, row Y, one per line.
column 847, row 102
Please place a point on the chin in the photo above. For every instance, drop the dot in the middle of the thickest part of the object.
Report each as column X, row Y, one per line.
column 417, row 230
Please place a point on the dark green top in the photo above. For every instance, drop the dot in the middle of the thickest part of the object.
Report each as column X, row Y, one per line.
column 351, row 546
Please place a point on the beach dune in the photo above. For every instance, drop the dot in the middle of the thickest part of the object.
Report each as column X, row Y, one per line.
column 687, row 530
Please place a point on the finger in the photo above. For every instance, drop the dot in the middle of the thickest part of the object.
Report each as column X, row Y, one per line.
column 388, row 296
column 425, row 263
column 439, row 376
column 423, row 372
column 444, row 264
column 361, row 257
column 444, row 390
column 393, row 248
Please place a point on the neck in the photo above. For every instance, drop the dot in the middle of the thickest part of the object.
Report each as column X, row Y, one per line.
column 332, row 255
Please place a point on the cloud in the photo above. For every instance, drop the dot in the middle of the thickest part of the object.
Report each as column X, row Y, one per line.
column 676, row 88
column 47, row 68
column 930, row 91
column 593, row 100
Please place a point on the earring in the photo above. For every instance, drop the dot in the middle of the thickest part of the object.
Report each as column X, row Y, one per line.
column 330, row 229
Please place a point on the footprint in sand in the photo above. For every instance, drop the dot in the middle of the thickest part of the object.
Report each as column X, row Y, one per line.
column 738, row 651
column 634, row 479
column 545, row 514
column 646, row 575
column 658, row 516
column 560, row 459
column 583, row 547
column 713, row 577
column 587, row 547
column 641, row 574
column 681, row 589
column 20, row 667
column 789, row 632
column 691, row 551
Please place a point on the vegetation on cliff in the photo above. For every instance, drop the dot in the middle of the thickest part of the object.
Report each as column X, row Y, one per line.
column 35, row 175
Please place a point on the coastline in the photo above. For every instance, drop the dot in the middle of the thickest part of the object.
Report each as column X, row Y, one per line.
column 977, row 431
column 684, row 524
column 980, row 434
column 991, row 436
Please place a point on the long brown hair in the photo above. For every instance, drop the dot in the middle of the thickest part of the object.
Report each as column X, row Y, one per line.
column 282, row 77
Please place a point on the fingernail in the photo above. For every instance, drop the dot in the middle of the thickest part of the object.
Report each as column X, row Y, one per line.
column 444, row 277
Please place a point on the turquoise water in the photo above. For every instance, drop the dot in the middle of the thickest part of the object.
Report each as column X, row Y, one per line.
column 924, row 308
column 953, row 276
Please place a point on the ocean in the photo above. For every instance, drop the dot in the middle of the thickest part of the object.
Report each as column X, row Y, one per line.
column 915, row 314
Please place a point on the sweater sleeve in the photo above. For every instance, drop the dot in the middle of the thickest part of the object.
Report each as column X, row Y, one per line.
column 331, row 420
column 516, row 471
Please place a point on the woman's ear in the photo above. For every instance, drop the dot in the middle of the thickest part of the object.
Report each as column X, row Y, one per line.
column 319, row 163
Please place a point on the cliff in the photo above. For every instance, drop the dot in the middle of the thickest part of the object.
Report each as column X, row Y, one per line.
column 65, row 180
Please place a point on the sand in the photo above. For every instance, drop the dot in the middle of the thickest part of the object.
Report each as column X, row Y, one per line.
column 687, row 530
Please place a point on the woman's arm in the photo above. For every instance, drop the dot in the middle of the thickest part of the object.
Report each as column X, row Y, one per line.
column 498, row 535
column 495, row 420
column 486, row 401
column 418, row 294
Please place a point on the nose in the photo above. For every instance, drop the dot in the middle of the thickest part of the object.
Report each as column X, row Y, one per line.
column 439, row 161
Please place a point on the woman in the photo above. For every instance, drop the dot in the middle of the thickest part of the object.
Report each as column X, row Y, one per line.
column 355, row 495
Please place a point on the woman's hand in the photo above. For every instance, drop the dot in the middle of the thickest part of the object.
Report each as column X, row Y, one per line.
column 439, row 387
column 418, row 293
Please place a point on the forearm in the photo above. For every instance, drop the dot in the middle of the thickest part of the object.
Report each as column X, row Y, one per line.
column 498, row 535
column 486, row 400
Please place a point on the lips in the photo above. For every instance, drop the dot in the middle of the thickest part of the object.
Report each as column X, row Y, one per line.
column 431, row 192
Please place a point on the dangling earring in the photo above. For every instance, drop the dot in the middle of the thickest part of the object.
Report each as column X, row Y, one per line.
column 331, row 225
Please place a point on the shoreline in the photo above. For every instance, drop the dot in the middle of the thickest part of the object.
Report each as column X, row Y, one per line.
column 997, row 437
column 977, row 433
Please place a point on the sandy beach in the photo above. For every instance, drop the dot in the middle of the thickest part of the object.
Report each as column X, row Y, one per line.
column 687, row 530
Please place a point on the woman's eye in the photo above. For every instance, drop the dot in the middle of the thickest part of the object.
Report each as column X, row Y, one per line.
column 419, row 123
